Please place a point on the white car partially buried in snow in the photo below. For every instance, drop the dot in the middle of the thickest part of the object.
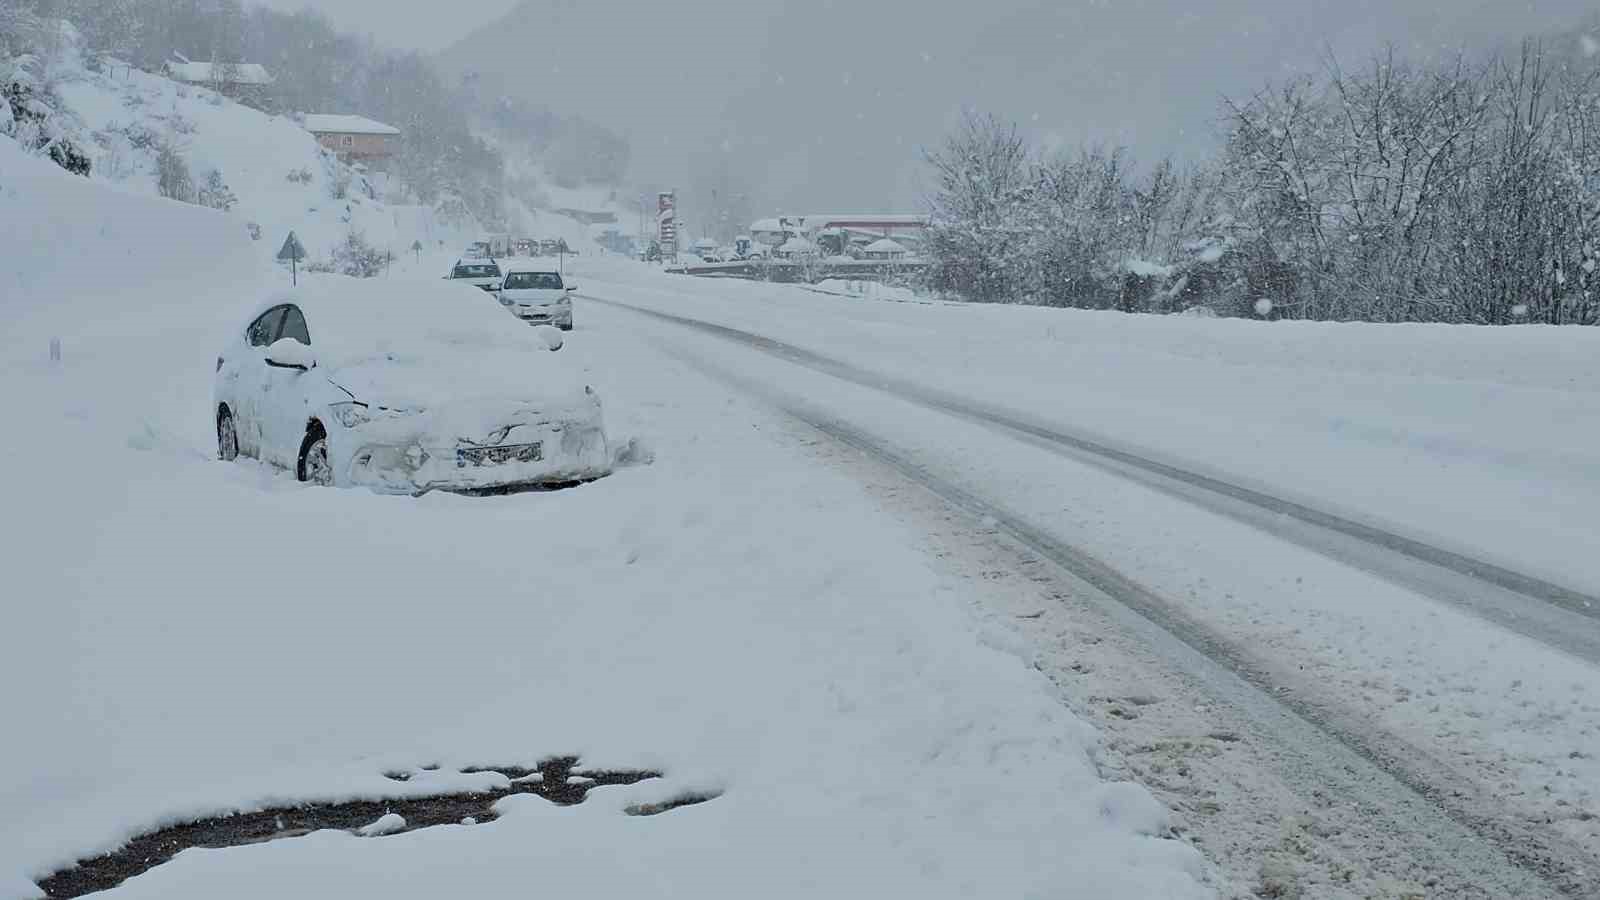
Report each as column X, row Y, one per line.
column 404, row 390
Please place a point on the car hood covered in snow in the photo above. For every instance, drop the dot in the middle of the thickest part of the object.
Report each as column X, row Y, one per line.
column 465, row 401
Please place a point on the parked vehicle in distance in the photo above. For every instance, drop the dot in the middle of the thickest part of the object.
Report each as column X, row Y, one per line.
column 351, row 384
column 537, row 295
column 499, row 245
column 484, row 274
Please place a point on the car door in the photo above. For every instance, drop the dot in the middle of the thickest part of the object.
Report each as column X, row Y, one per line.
column 286, row 401
column 252, row 382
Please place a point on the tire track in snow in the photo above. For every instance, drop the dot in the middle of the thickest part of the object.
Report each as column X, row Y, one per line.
column 1555, row 615
column 1471, row 850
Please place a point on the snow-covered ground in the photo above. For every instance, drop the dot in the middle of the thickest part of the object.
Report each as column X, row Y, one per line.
column 1473, row 438
column 187, row 637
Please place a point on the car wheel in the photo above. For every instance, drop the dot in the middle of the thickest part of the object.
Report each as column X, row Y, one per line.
column 314, row 467
column 227, row 437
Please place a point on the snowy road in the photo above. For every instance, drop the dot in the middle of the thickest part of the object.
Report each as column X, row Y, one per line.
column 1318, row 708
column 1549, row 612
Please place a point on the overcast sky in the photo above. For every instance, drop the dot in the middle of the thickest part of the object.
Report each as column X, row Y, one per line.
column 404, row 23
column 825, row 103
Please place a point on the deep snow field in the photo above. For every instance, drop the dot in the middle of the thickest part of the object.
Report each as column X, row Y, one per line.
column 186, row 637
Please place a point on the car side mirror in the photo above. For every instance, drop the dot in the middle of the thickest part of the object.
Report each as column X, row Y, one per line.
column 288, row 353
column 572, row 288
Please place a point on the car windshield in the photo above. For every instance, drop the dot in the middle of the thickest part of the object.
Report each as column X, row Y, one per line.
column 533, row 281
column 1009, row 449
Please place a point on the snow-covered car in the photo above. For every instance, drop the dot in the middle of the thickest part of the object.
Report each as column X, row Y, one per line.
column 538, row 296
column 354, row 385
column 482, row 274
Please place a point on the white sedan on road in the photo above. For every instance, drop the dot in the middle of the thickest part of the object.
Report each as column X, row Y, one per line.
column 404, row 390
column 537, row 295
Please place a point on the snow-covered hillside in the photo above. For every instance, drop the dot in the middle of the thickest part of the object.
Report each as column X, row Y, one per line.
column 278, row 177
column 76, row 250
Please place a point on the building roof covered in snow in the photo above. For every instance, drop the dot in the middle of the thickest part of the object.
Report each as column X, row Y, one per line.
column 797, row 245
column 886, row 245
column 320, row 123
column 223, row 73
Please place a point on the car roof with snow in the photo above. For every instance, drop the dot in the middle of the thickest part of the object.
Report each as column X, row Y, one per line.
column 351, row 320
column 538, row 268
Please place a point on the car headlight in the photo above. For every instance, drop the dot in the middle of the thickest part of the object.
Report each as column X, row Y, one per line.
column 350, row 414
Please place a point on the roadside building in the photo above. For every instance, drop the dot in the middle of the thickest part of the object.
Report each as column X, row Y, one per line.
column 797, row 248
column 356, row 139
column 842, row 231
column 886, row 248
column 247, row 83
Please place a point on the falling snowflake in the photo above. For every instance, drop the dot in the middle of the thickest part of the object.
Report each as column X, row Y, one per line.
column 1263, row 307
column 1520, row 310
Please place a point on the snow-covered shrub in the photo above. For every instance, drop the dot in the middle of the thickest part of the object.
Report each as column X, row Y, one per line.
column 339, row 185
column 215, row 193
column 301, row 175
column 141, row 137
column 31, row 119
column 172, row 175
column 354, row 257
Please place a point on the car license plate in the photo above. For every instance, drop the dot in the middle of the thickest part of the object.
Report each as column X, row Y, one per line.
column 494, row 456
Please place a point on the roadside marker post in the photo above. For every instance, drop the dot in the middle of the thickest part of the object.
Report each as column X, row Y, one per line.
column 293, row 251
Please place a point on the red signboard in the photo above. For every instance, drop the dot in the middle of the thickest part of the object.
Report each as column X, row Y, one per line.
column 667, row 221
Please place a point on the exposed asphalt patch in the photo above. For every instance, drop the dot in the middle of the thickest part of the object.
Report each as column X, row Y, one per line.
column 554, row 779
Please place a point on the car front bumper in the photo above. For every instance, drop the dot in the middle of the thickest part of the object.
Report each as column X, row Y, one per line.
column 560, row 316
column 545, row 454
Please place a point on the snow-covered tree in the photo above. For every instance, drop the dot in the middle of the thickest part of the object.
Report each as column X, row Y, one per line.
column 215, row 193
column 983, row 186
column 173, row 179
